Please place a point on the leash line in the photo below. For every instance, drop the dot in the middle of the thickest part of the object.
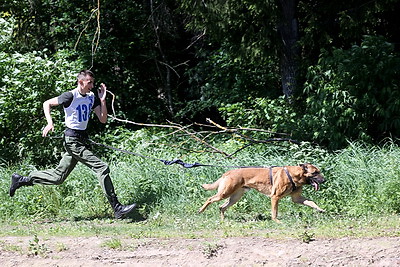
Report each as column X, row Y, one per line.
column 175, row 161
column 196, row 164
column 168, row 162
column 121, row 150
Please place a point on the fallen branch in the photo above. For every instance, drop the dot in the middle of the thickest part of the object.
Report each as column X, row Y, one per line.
column 219, row 129
column 202, row 141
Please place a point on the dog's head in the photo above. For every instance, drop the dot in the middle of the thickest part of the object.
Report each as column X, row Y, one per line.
column 313, row 175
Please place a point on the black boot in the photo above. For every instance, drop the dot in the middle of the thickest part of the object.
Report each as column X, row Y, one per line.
column 17, row 181
column 120, row 211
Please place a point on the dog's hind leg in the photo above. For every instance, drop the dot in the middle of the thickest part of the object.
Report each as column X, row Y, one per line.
column 232, row 200
column 216, row 197
column 210, row 200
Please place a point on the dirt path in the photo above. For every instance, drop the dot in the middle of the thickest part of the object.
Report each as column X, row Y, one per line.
column 249, row 251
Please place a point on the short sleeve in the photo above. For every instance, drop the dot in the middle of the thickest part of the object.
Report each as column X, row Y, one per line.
column 65, row 99
column 96, row 102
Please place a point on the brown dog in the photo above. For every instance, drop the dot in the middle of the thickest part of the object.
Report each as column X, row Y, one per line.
column 276, row 182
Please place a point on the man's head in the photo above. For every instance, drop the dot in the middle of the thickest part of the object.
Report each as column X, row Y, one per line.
column 85, row 81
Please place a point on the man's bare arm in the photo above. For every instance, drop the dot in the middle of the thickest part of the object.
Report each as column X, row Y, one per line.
column 47, row 108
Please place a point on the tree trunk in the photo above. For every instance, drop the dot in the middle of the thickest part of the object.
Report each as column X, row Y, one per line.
column 164, row 91
column 289, row 33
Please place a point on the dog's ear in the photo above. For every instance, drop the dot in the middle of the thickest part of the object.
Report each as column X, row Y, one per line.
column 304, row 166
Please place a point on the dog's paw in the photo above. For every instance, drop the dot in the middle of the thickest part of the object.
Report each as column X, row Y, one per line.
column 276, row 220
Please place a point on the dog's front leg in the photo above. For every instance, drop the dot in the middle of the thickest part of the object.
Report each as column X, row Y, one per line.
column 274, row 209
column 302, row 200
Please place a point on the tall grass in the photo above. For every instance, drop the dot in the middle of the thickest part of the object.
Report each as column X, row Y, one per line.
column 362, row 181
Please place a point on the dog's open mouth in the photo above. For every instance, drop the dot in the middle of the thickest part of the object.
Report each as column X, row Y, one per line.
column 315, row 184
column 316, row 180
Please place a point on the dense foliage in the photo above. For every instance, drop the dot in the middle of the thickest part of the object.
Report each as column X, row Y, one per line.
column 354, row 93
column 27, row 80
column 184, row 61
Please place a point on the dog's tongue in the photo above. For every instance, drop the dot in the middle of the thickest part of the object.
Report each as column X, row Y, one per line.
column 316, row 186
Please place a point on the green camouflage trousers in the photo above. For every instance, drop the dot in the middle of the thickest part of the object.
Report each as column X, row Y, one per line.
column 76, row 151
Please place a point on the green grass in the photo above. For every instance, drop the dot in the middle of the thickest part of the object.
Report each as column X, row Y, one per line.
column 113, row 243
column 361, row 197
column 316, row 227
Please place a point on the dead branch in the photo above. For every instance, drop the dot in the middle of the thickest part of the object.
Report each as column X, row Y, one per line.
column 202, row 141
column 96, row 36
column 202, row 136
column 241, row 128
column 201, row 35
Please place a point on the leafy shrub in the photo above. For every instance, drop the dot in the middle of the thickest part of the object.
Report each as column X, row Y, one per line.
column 354, row 94
column 276, row 115
column 5, row 33
column 27, row 80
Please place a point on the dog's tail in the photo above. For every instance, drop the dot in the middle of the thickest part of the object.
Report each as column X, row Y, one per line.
column 212, row 186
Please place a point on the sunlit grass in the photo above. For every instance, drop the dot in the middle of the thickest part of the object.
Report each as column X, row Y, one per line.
column 361, row 198
column 209, row 227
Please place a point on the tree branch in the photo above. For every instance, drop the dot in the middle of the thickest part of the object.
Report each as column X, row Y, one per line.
column 198, row 137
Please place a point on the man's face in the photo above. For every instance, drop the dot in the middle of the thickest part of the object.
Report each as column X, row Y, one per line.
column 86, row 84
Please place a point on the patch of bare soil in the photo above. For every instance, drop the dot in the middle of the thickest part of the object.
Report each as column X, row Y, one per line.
column 243, row 251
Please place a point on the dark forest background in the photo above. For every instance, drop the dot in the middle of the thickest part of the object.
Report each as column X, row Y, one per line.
column 320, row 71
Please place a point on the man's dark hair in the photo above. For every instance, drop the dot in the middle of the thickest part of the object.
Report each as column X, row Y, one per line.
column 83, row 73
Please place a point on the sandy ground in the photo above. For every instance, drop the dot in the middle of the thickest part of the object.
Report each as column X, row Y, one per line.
column 243, row 251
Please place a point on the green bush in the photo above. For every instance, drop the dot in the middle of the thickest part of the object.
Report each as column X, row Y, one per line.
column 354, row 94
column 5, row 33
column 275, row 115
column 27, row 80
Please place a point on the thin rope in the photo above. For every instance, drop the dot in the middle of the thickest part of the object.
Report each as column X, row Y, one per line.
column 175, row 161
